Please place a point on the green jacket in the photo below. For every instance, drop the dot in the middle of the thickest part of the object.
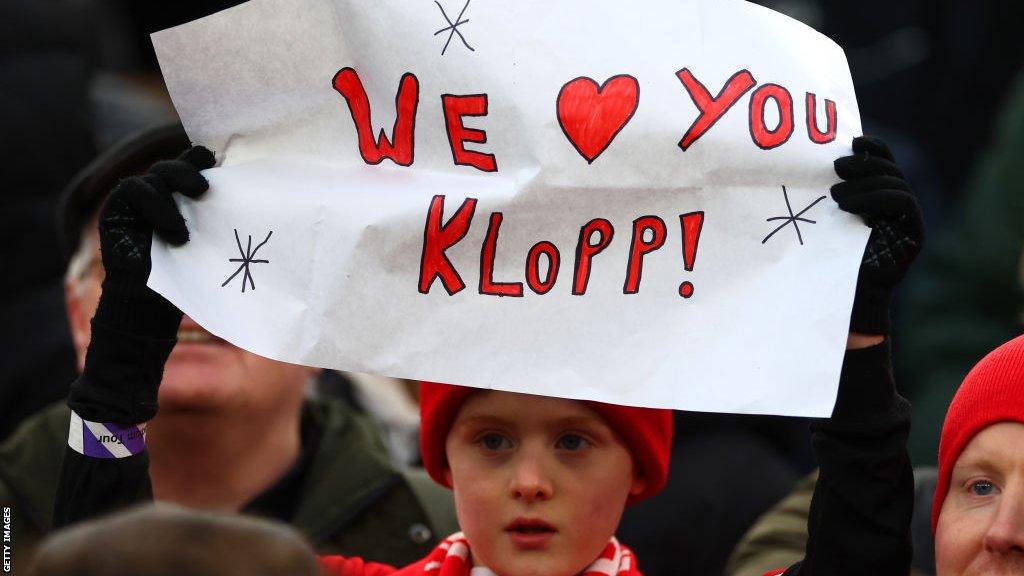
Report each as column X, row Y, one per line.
column 353, row 501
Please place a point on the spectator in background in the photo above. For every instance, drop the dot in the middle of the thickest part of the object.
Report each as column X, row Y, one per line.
column 165, row 540
column 978, row 511
column 235, row 431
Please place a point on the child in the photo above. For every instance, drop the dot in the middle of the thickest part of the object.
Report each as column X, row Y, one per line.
column 540, row 483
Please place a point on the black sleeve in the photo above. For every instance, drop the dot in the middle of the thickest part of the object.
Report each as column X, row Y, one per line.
column 119, row 383
column 863, row 502
column 91, row 487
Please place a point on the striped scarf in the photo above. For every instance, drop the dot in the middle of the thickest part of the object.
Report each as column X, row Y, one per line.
column 450, row 558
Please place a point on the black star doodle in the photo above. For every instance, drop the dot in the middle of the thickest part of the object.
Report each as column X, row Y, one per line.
column 453, row 27
column 792, row 218
column 248, row 256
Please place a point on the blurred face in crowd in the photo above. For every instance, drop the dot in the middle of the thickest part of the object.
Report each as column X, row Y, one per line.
column 203, row 372
column 540, row 483
column 981, row 525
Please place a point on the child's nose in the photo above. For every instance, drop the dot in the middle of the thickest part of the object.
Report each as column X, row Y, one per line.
column 529, row 481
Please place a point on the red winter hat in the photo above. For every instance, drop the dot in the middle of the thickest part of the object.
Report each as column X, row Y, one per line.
column 646, row 431
column 992, row 392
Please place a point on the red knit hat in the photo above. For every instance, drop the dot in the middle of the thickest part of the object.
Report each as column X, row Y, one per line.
column 992, row 392
column 646, row 431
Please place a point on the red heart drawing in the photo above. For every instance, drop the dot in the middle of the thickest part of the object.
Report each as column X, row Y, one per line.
column 591, row 115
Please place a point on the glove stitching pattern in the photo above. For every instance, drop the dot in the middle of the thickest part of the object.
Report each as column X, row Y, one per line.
column 890, row 246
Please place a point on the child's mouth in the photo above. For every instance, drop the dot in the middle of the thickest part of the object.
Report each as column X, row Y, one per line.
column 530, row 533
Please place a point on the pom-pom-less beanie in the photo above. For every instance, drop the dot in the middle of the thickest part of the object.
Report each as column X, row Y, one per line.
column 646, row 431
column 992, row 392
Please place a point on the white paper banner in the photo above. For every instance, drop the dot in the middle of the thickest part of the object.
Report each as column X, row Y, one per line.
column 635, row 195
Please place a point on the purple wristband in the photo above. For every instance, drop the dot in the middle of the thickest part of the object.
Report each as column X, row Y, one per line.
column 98, row 440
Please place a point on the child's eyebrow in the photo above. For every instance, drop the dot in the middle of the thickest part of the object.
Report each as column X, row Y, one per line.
column 481, row 419
column 588, row 422
column 582, row 422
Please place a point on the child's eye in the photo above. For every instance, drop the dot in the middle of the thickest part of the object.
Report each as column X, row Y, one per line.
column 495, row 441
column 571, row 442
column 982, row 488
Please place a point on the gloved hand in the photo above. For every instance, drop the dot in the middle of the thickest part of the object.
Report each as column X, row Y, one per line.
column 134, row 328
column 874, row 188
column 138, row 207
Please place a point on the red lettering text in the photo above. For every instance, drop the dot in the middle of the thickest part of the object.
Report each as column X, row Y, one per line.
column 585, row 251
column 817, row 136
column 487, row 283
column 347, row 82
column 638, row 247
column 711, row 109
column 455, row 107
column 762, row 136
column 533, row 267
column 437, row 238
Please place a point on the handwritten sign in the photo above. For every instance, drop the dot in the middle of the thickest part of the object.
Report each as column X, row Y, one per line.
column 624, row 203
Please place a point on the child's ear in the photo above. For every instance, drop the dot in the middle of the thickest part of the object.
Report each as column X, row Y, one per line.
column 639, row 483
column 448, row 475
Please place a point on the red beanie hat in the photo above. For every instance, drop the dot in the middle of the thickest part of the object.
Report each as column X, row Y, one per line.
column 992, row 392
column 646, row 431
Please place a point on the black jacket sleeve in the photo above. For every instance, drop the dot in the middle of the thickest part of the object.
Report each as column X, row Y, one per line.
column 119, row 383
column 863, row 502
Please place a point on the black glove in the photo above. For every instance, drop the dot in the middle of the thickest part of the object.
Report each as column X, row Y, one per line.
column 134, row 328
column 874, row 188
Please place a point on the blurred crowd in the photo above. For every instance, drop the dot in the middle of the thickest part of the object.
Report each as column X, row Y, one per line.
column 82, row 104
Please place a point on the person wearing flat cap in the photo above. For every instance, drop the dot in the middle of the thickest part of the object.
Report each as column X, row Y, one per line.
column 235, row 431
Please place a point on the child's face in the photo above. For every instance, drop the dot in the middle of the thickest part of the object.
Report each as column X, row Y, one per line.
column 540, row 483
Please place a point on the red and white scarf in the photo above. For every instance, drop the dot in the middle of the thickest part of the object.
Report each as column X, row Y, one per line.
column 451, row 558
